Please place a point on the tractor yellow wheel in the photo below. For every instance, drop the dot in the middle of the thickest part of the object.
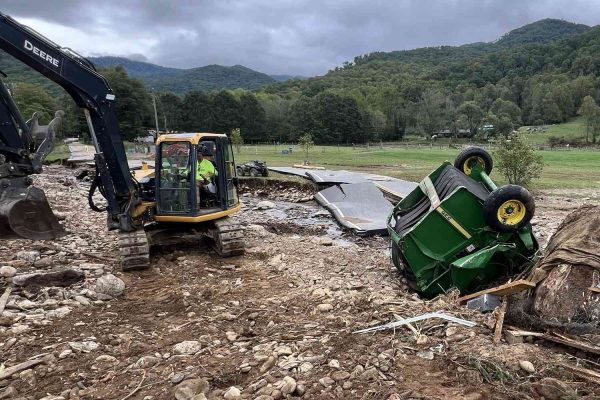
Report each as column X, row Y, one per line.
column 511, row 212
column 470, row 163
column 508, row 208
column 473, row 156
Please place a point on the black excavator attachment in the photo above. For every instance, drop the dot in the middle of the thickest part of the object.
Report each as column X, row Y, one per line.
column 26, row 214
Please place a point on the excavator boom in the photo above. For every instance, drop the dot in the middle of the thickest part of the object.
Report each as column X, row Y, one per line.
column 24, row 209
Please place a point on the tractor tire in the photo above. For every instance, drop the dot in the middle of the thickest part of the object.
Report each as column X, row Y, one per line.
column 239, row 171
column 254, row 172
column 265, row 173
column 467, row 158
column 403, row 269
column 508, row 208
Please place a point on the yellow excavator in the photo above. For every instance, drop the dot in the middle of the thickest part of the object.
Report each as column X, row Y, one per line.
column 151, row 205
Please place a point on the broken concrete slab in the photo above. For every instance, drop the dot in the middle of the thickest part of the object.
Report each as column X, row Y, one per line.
column 291, row 171
column 359, row 206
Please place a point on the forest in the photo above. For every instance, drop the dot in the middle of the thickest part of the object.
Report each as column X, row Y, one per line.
column 538, row 74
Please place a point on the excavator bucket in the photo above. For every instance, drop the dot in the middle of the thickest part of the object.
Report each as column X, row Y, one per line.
column 26, row 214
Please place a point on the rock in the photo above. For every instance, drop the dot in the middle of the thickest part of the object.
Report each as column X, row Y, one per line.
column 422, row 339
column 231, row 336
column 62, row 278
column 105, row 358
column 188, row 347
column 347, row 385
column 304, row 367
column 451, row 330
column 84, row 347
column 7, row 271
column 325, row 241
column 28, row 376
column 527, row 366
column 284, row 350
column 553, row 389
column 333, row 363
column 110, row 285
column 340, row 375
column 370, row 374
column 43, row 263
column 267, row 365
column 232, row 393
column 188, row 389
column 29, row 256
column 147, row 362
column 425, row 354
column 326, row 381
column 325, row 307
column 357, row 371
column 300, row 390
column 9, row 393
column 178, row 377
column 265, row 205
column 65, row 353
column 82, row 300
column 52, row 397
column 264, row 397
column 289, row 385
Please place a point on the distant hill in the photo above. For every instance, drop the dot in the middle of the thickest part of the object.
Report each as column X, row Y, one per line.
column 180, row 81
column 543, row 31
column 283, row 78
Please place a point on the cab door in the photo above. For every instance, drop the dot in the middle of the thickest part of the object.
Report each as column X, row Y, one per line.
column 174, row 178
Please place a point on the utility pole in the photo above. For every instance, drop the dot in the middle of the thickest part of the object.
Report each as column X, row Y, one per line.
column 155, row 115
column 165, row 116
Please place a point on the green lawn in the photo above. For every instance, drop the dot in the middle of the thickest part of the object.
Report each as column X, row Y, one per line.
column 563, row 169
column 573, row 128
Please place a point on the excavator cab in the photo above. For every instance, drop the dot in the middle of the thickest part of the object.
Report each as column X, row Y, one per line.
column 183, row 194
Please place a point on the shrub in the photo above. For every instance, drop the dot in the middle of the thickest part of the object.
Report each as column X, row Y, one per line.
column 517, row 161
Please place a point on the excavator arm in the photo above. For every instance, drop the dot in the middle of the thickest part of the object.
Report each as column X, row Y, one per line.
column 24, row 210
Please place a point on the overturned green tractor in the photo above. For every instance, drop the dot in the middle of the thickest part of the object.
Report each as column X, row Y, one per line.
column 458, row 229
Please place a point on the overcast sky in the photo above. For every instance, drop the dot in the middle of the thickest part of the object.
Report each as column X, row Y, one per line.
column 304, row 37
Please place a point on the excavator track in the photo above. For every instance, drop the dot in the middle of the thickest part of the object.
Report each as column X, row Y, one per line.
column 228, row 238
column 134, row 250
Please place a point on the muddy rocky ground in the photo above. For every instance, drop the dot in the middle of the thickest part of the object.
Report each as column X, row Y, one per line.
column 275, row 323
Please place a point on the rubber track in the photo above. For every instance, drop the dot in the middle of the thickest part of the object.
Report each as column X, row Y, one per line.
column 134, row 250
column 228, row 237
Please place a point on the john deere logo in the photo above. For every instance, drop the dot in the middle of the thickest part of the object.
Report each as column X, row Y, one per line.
column 40, row 53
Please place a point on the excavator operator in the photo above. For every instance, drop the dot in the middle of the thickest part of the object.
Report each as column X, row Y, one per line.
column 205, row 172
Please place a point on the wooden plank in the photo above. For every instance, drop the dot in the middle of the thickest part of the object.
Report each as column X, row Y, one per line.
column 587, row 347
column 595, row 289
column 587, row 374
column 500, row 321
column 502, row 290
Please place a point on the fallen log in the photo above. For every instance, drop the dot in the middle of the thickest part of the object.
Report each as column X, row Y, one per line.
column 502, row 290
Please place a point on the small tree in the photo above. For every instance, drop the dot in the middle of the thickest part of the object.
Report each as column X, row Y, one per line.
column 306, row 142
column 518, row 161
column 237, row 140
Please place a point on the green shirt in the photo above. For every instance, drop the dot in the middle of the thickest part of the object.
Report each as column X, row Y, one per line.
column 205, row 169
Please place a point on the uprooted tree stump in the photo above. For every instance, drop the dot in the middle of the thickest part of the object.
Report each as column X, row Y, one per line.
column 566, row 274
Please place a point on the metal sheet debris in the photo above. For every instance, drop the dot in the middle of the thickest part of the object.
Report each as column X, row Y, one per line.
column 405, row 321
column 290, row 171
column 358, row 206
column 485, row 302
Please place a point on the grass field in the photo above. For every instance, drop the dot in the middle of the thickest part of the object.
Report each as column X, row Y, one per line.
column 576, row 169
column 571, row 129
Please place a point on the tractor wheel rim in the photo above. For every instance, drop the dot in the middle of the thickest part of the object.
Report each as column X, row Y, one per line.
column 471, row 162
column 511, row 212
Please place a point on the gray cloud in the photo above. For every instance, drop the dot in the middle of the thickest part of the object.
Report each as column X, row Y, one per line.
column 305, row 37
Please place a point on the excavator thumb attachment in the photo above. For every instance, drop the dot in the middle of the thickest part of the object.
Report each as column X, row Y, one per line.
column 26, row 214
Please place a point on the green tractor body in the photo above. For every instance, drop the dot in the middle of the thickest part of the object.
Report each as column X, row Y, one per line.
column 459, row 230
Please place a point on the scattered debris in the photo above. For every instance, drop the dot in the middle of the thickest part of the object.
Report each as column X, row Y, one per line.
column 406, row 321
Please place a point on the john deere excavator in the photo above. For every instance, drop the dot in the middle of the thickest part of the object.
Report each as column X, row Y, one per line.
column 168, row 201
